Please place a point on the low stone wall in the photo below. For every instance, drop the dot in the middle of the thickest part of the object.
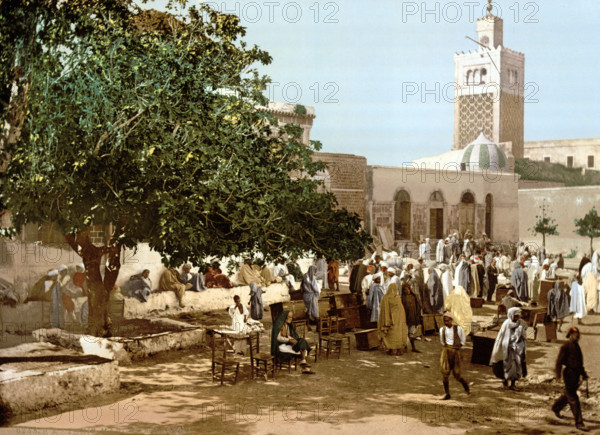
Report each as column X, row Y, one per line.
column 177, row 335
column 36, row 315
column 165, row 303
column 142, row 347
column 38, row 375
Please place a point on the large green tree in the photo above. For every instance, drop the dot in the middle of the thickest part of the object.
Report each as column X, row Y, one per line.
column 589, row 226
column 149, row 122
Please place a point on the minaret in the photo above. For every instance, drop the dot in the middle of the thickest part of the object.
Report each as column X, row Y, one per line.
column 490, row 88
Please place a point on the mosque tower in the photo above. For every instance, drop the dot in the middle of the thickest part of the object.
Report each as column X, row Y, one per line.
column 490, row 89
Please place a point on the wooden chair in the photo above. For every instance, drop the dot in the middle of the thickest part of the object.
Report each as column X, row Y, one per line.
column 220, row 358
column 335, row 326
column 329, row 336
column 260, row 361
column 301, row 326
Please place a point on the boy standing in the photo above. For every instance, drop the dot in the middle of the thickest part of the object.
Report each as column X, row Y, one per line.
column 452, row 338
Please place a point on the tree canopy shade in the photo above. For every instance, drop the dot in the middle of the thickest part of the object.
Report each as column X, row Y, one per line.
column 150, row 122
column 589, row 226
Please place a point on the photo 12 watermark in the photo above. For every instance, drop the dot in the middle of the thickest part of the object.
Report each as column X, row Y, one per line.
column 291, row 12
column 468, row 11
column 294, row 92
column 285, row 412
column 451, row 92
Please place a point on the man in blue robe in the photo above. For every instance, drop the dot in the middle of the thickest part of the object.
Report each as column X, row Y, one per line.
column 518, row 280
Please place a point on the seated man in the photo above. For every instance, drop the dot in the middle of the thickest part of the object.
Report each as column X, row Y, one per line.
column 171, row 280
column 195, row 279
column 215, row 278
column 281, row 270
column 250, row 275
column 140, row 285
column 286, row 343
column 265, row 272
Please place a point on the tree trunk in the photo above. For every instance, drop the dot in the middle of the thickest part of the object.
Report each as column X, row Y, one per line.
column 544, row 240
column 99, row 287
column 591, row 247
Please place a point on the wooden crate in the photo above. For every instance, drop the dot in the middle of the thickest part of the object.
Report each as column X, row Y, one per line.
column 352, row 316
column 528, row 313
column 545, row 332
column 501, row 291
column 345, row 300
column 365, row 317
column 476, row 302
column 428, row 322
column 367, row 339
column 483, row 344
column 439, row 321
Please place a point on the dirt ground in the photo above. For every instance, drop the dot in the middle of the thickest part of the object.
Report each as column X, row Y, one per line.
column 366, row 392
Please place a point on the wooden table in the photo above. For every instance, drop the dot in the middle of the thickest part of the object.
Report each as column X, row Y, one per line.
column 528, row 313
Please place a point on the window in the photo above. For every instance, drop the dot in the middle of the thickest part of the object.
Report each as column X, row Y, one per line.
column 483, row 75
column 547, row 159
column 590, row 161
column 569, row 161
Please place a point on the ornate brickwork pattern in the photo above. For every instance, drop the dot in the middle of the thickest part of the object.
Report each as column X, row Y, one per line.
column 512, row 110
column 476, row 114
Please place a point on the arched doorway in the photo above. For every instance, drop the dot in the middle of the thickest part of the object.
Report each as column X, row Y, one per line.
column 467, row 213
column 402, row 216
column 489, row 204
column 436, row 215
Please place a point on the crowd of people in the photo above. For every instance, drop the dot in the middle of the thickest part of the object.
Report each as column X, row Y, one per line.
column 398, row 290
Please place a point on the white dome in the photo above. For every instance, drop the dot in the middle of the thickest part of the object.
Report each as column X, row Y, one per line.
column 483, row 154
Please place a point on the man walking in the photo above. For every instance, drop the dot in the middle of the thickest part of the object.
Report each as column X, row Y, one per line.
column 571, row 357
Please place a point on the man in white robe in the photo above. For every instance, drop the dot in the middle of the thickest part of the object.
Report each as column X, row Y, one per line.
column 439, row 251
column 392, row 278
column 366, row 282
column 427, row 250
column 446, row 279
column 281, row 270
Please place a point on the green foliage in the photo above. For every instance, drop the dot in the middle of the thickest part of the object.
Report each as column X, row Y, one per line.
column 149, row 121
column 555, row 172
column 300, row 109
column 589, row 225
column 572, row 253
column 544, row 224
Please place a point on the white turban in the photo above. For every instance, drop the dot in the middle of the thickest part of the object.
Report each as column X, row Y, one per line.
column 53, row 272
column 391, row 270
column 80, row 265
column 62, row 267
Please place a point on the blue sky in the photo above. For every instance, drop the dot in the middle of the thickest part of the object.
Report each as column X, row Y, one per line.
column 351, row 60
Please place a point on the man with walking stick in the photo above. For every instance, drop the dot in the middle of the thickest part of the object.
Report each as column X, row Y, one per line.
column 571, row 357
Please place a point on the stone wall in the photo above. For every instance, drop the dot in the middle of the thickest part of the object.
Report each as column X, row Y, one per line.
column 386, row 182
column 346, row 178
column 558, row 150
column 564, row 205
